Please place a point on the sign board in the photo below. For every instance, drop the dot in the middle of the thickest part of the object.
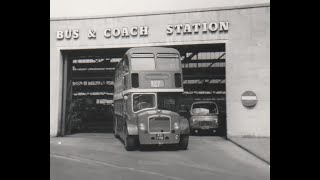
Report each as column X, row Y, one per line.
column 125, row 32
column 249, row 99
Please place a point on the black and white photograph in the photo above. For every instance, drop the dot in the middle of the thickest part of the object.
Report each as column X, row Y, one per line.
column 160, row 90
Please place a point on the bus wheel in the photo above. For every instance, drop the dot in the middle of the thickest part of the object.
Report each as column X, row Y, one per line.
column 184, row 141
column 129, row 142
column 116, row 134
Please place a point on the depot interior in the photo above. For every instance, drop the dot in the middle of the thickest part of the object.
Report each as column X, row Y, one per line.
column 88, row 77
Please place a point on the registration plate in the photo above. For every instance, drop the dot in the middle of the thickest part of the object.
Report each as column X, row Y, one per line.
column 159, row 136
column 156, row 83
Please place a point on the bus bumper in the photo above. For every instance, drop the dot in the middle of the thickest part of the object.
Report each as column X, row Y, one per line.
column 161, row 138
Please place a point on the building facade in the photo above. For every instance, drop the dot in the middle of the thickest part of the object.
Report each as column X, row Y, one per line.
column 243, row 31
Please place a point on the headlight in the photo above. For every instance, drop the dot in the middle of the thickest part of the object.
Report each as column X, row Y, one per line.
column 142, row 127
column 193, row 120
column 176, row 125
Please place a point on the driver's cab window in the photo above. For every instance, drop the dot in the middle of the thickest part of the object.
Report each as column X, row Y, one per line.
column 143, row 101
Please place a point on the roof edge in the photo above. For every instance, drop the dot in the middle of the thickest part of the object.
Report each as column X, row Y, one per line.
column 163, row 12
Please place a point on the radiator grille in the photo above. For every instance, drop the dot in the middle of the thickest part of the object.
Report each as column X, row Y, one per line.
column 159, row 124
column 206, row 123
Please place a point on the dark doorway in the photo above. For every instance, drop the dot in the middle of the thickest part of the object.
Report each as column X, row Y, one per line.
column 88, row 85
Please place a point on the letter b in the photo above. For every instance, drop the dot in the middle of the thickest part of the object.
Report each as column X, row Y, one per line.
column 59, row 34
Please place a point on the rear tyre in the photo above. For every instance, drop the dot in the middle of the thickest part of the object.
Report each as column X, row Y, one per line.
column 116, row 135
column 115, row 129
column 184, row 141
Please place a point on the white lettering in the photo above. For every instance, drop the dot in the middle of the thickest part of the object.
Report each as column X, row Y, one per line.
column 178, row 27
column 134, row 29
column 59, row 34
column 169, row 29
column 75, row 34
column 107, row 33
column 125, row 32
column 143, row 31
column 91, row 34
column 196, row 27
column 213, row 26
column 116, row 32
column 68, row 34
column 187, row 29
column 224, row 26
column 204, row 27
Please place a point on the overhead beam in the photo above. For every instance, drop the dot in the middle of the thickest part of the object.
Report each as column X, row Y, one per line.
column 187, row 59
column 204, row 71
column 93, row 75
column 93, row 88
column 108, row 97
column 187, row 87
column 204, row 96
column 204, row 61
column 108, row 64
column 205, row 87
column 103, row 64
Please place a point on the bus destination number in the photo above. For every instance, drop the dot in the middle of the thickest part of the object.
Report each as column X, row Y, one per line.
column 157, row 83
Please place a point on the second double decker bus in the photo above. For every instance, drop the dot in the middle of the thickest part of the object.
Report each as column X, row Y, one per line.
column 148, row 84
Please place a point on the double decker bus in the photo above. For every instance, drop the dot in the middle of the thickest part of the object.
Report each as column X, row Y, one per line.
column 147, row 88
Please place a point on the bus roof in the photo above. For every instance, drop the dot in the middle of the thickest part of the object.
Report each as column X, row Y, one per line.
column 152, row 50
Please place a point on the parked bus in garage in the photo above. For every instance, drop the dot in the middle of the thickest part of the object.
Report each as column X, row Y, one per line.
column 148, row 83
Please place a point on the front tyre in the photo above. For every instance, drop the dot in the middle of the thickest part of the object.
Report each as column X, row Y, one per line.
column 130, row 142
column 184, row 141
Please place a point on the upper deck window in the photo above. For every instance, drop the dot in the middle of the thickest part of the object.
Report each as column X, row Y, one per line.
column 142, row 62
column 168, row 62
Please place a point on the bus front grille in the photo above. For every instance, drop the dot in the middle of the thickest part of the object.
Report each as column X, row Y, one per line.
column 208, row 123
column 159, row 124
column 205, row 123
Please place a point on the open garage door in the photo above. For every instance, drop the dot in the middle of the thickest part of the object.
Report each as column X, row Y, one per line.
column 204, row 74
column 89, row 78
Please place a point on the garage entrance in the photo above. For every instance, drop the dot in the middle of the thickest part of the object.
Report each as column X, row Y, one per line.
column 88, row 77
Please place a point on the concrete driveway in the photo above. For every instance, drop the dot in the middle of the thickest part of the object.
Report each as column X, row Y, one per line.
column 101, row 156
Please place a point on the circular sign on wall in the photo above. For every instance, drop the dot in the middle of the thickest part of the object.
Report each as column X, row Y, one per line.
column 249, row 99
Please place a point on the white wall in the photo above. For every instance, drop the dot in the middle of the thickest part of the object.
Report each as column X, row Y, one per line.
column 248, row 68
